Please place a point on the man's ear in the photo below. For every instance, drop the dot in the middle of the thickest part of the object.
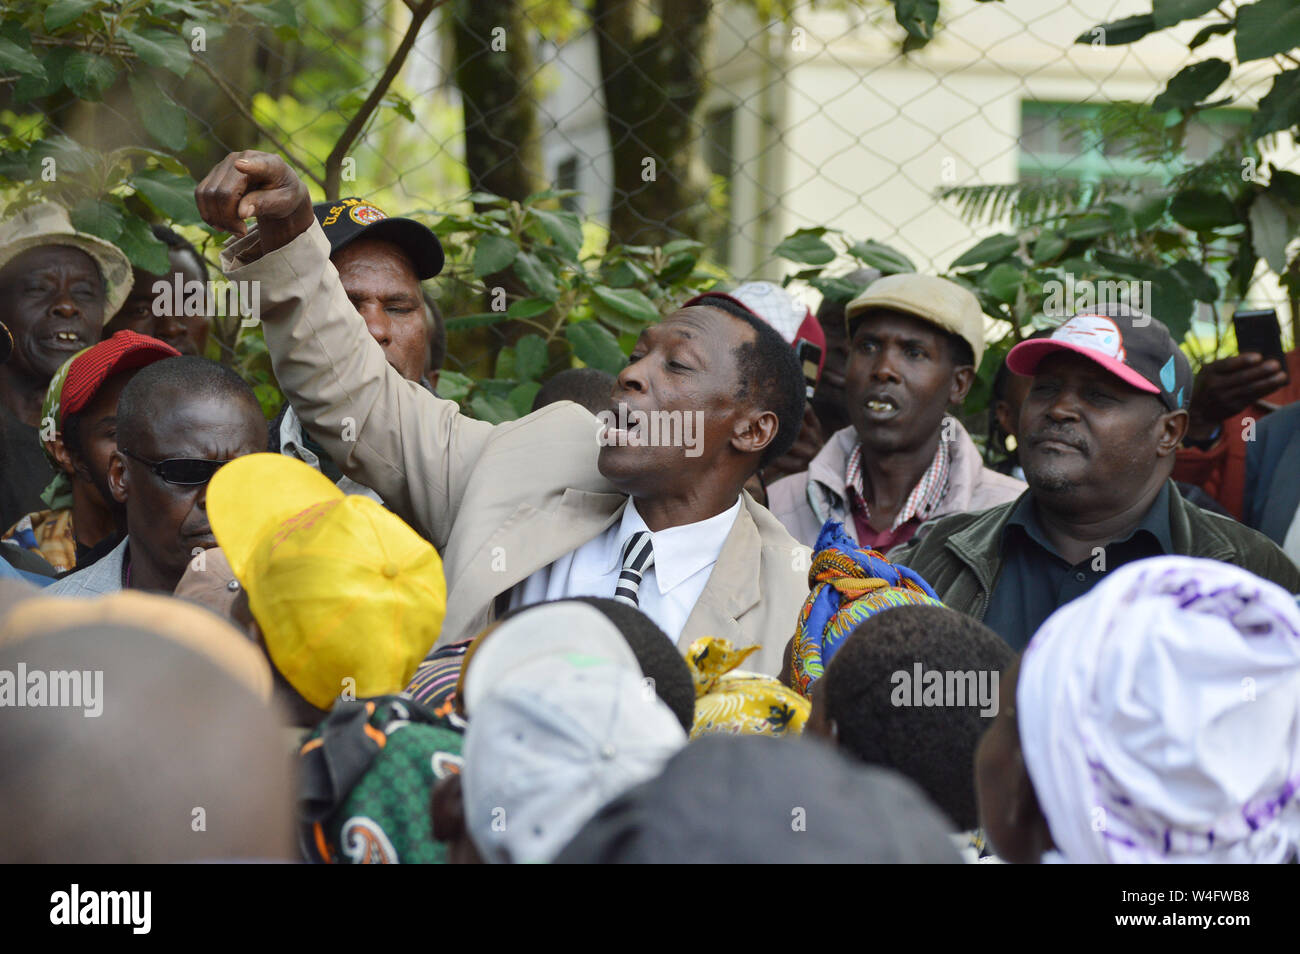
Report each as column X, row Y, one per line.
column 117, row 477
column 754, row 432
column 963, row 377
column 1173, row 427
column 67, row 463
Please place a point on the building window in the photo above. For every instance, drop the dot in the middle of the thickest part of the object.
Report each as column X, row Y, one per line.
column 719, row 156
column 566, row 177
column 1058, row 141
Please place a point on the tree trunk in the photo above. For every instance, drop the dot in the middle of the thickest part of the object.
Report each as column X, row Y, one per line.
column 653, row 85
column 502, row 143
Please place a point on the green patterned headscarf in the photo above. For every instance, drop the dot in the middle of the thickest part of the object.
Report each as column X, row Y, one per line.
column 58, row 495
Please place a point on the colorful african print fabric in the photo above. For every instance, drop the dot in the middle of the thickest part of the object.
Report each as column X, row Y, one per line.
column 49, row 533
column 367, row 777
column 847, row 584
column 735, row 702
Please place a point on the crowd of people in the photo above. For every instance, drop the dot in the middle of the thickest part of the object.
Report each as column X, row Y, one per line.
column 828, row 626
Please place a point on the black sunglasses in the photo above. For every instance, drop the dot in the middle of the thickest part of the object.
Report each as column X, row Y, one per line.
column 184, row 471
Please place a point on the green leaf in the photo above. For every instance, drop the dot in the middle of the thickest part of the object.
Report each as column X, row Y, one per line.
column 1169, row 12
column 1270, row 230
column 1280, row 107
column 62, row 12
column 97, row 217
column 486, row 198
column 595, row 346
column 678, row 267
column 454, row 386
column 1267, row 28
column 539, row 279
column 275, row 13
column 1050, row 245
column 564, row 229
column 1192, row 84
column 160, row 49
column 142, row 247
column 1199, row 282
column 492, row 409
column 163, row 119
column 88, row 75
column 917, row 18
column 1286, row 185
column 14, row 57
column 679, row 246
column 1002, row 281
column 170, row 195
column 1171, row 302
column 492, row 254
column 888, row 260
column 988, row 250
column 529, row 308
column 479, row 320
column 1243, row 265
column 1203, row 211
column 806, row 246
column 1119, row 32
column 623, row 274
column 213, row 30
column 1214, row 29
column 521, row 398
column 627, row 301
column 530, row 357
column 1089, row 226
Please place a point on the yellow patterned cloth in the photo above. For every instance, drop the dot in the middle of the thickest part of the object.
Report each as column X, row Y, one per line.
column 735, row 702
column 49, row 533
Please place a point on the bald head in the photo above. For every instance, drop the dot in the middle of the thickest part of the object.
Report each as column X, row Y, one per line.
column 182, row 763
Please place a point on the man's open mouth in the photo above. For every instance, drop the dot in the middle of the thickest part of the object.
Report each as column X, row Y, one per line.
column 66, row 340
column 881, row 405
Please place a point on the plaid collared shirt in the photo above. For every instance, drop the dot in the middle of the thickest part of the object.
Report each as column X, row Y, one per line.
column 925, row 497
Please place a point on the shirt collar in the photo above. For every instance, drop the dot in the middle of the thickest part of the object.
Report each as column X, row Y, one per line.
column 924, row 498
column 1155, row 522
column 680, row 552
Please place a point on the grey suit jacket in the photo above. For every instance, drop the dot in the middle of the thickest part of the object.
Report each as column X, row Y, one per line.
column 102, row 576
column 499, row 502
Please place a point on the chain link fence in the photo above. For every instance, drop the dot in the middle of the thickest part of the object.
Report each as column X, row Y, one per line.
column 732, row 123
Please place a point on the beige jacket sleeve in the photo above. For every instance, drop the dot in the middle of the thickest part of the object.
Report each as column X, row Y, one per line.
column 415, row 449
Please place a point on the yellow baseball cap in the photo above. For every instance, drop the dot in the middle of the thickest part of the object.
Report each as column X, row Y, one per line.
column 340, row 587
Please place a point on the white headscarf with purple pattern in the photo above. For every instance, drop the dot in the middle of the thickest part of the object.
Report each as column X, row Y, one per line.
column 1159, row 717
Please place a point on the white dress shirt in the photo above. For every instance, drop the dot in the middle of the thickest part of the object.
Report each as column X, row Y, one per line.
column 684, row 558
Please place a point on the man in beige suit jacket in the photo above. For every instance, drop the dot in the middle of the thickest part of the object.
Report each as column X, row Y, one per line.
column 503, row 503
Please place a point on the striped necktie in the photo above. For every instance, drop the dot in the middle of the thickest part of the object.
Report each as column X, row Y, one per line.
column 638, row 556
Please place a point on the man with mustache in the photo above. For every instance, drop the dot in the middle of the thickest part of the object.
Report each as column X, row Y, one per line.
column 57, row 288
column 915, row 342
column 544, row 507
column 1104, row 416
column 178, row 421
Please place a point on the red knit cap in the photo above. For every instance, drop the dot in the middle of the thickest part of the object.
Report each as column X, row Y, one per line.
column 124, row 351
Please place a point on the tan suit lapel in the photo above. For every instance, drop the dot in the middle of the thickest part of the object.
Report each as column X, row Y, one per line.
column 526, row 542
column 733, row 587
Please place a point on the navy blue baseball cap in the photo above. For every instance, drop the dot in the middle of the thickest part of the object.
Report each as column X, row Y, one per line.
column 346, row 220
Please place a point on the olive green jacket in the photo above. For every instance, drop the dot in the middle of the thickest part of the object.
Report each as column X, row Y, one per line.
column 961, row 555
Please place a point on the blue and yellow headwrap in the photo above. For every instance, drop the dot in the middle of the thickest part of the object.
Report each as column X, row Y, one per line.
column 848, row 584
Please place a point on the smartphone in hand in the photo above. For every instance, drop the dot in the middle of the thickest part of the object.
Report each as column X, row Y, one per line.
column 1258, row 331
